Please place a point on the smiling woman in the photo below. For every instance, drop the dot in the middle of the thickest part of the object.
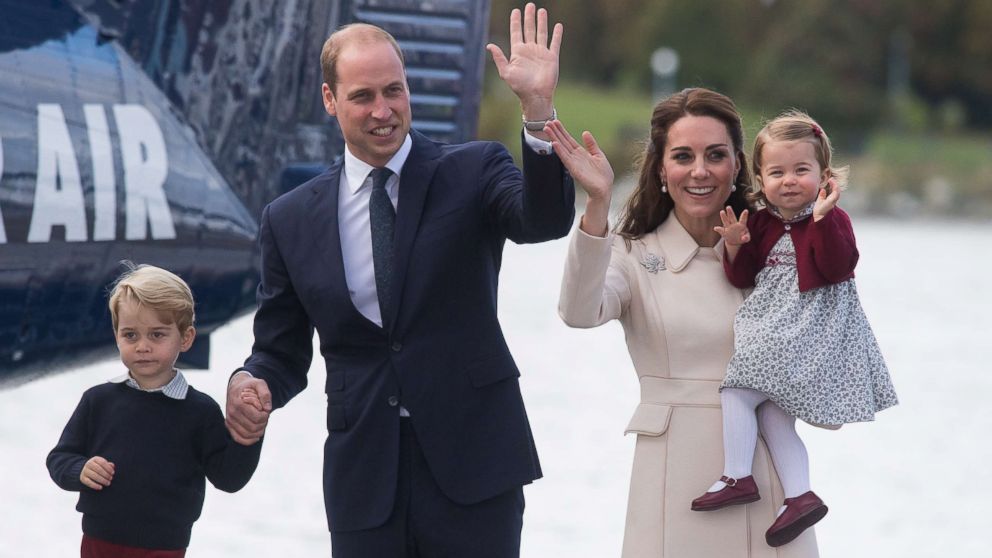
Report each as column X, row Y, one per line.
column 663, row 279
column 697, row 171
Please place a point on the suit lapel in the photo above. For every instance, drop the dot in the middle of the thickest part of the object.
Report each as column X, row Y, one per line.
column 415, row 179
column 322, row 212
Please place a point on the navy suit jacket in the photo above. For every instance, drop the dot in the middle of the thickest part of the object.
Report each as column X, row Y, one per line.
column 442, row 356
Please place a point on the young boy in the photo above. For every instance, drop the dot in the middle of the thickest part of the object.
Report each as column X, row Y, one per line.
column 138, row 447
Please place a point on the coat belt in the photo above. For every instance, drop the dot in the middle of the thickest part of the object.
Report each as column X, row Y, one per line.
column 680, row 392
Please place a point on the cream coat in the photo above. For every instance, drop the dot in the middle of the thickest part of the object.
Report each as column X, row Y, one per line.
column 677, row 311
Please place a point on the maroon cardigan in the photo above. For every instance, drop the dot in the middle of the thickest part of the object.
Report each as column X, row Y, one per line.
column 825, row 250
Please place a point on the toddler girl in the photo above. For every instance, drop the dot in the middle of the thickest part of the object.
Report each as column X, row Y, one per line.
column 802, row 345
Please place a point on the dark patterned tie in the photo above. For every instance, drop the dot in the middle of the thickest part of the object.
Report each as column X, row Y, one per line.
column 382, row 218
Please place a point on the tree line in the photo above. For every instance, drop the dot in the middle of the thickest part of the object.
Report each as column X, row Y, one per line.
column 854, row 64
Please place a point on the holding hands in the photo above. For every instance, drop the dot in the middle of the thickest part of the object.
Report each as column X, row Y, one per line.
column 249, row 403
column 250, row 396
column 97, row 473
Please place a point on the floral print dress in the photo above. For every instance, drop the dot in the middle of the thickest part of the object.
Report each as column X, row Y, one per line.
column 813, row 353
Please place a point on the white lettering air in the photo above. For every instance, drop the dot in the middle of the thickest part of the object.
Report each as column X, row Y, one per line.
column 58, row 193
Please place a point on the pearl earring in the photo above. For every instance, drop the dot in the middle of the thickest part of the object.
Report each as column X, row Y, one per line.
column 733, row 187
column 664, row 188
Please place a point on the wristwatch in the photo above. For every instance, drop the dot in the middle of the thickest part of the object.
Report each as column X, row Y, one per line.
column 538, row 125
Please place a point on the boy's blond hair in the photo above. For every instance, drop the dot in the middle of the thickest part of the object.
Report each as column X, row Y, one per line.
column 155, row 288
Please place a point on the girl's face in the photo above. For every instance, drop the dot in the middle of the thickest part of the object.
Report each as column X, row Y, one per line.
column 790, row 175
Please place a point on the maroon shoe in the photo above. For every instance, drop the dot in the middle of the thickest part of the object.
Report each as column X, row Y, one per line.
column 737, row 491
column 800, row 514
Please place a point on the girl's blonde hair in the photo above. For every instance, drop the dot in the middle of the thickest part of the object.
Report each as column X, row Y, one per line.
column 155, row 288
column 794, row 125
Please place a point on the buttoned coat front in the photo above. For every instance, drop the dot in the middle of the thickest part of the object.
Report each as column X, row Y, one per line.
column 677, row 311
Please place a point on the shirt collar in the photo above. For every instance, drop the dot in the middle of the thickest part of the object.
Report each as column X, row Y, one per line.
column 175, row 389
column 806, row 212
column 680, row 247
column 356, row 170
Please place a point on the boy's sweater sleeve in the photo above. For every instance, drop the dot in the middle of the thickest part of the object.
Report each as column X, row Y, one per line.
column 835, row 252
column 65, row 462
column 228, row 465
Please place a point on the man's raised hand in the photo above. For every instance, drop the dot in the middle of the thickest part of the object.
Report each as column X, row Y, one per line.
column 532, row 69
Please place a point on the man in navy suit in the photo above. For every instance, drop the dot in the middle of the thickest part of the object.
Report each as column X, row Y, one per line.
column 397, row 270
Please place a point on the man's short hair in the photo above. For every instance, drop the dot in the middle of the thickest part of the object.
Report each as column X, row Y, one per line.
column 155, row 288
column 353, row 33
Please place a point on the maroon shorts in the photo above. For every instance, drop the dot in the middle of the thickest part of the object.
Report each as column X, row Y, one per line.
column 95, row 548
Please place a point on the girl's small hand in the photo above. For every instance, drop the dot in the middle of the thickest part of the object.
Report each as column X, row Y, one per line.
column 824, row 201
column 734, row 232
column 97, row 473
column 588, row 165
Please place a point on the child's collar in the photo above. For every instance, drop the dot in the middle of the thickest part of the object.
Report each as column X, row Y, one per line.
column 175, row 389
column 806, row 212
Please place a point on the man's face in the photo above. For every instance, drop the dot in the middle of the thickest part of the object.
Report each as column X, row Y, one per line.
column 371, row 101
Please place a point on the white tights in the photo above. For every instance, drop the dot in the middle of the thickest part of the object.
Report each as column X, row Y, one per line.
column 744, row 411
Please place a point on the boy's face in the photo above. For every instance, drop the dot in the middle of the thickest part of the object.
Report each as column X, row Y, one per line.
column 149, row 346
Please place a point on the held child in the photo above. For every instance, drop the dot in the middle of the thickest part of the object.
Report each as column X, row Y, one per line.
column 138, row 447
column 803, row 347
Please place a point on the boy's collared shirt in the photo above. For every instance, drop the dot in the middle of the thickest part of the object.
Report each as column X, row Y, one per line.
column 175, row 389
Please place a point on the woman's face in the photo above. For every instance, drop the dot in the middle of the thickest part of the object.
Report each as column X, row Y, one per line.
column 698, row 167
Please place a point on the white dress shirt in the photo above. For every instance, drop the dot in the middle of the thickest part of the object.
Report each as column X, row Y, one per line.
column 354, row 191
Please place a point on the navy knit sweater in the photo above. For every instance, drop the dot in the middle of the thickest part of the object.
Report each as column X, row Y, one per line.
column 162, row 449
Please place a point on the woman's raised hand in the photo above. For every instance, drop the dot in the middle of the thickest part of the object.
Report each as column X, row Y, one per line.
column 589, row 167
column 587, row 164
column 733, row 231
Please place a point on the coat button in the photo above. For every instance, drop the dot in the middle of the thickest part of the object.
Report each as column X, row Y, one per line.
column 396, row 346
column 393, row 401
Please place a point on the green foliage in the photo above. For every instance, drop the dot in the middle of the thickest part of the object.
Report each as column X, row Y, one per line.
column 837, row 59
column 942, row 173
column 902, row 86
column 618, row 120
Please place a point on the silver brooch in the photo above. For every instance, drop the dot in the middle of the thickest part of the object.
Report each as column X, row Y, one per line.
column 653, row 263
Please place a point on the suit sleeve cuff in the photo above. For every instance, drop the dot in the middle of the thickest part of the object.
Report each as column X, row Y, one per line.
column 537, row 145
column 237, row 372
